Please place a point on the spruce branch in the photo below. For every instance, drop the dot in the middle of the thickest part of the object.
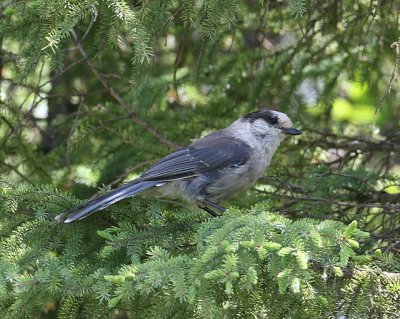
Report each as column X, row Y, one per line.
column 396, row 47
column 133, row 115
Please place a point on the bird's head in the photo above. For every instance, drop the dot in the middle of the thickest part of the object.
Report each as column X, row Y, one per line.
column 270, row 123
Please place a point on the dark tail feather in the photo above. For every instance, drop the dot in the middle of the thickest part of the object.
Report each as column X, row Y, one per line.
column 104, row 201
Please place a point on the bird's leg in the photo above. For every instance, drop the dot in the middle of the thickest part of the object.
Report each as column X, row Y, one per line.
column 210, row 211
column 216, row 206
column 203, row 205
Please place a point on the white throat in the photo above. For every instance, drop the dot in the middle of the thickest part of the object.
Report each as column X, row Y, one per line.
column 264, row 145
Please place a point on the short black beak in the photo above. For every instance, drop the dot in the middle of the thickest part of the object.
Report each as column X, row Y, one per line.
column 290, row 130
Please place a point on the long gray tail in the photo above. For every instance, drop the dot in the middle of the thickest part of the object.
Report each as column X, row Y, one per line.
column 105, row 200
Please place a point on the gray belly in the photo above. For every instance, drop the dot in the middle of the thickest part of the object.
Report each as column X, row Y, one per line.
column 216, row 186
column 230, row 183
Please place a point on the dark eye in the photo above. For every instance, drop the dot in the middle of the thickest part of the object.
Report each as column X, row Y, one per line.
column 273, row 120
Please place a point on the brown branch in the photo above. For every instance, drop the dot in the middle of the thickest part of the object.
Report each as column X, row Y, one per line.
column 391, row 143
column 62, row 72
column 331, row 201
column 121, row 177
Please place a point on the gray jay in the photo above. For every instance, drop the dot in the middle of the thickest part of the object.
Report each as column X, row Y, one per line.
column 210, row 170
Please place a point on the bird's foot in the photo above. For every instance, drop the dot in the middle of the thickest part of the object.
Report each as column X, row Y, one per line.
column 204, row 203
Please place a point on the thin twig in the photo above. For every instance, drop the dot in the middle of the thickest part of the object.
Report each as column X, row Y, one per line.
column 396, row 46
column 26, row 179
column 132, row 169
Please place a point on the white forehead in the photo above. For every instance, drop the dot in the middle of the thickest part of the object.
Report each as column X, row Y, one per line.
column 283, row 119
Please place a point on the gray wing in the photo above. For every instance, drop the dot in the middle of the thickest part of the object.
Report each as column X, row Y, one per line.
column 215, row 151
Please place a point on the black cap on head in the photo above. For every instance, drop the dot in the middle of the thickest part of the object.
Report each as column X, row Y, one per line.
column 267, row 115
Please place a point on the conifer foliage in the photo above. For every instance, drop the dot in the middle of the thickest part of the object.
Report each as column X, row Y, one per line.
column 93, row 92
